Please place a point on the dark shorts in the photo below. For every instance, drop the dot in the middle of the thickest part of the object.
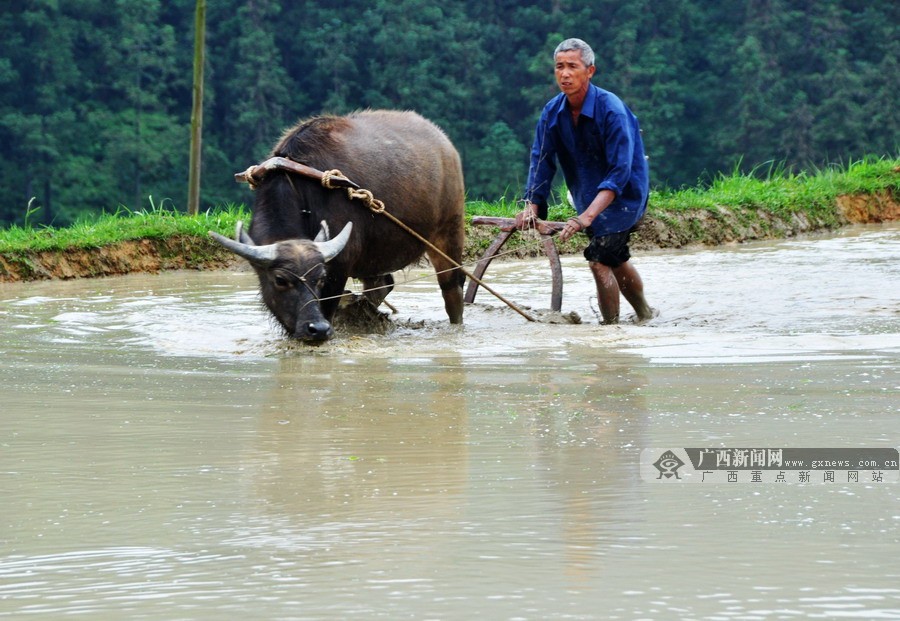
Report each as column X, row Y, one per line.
column 610, row 250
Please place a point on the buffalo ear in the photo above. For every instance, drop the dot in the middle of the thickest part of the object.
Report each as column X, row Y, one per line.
column 241, row 236
column 331, row 248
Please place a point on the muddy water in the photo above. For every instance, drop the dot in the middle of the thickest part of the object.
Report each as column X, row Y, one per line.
column 164, row 453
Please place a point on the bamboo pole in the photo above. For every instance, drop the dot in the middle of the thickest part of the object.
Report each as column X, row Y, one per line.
column 193, row 206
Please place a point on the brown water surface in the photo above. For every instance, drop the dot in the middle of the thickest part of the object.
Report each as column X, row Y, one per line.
column 165, row 453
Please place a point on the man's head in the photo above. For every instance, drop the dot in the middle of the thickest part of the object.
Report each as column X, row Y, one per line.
column 574, row 66
column 576, row 45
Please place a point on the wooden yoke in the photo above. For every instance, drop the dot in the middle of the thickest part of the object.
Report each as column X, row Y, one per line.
column 255, row 174
column 507, row 228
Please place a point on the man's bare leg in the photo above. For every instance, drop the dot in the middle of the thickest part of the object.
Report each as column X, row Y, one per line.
column 632, row 287
column 607, row 291
column 625, row 280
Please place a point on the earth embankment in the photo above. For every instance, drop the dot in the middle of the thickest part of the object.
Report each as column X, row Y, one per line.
column 658, row 230
column 724, row 225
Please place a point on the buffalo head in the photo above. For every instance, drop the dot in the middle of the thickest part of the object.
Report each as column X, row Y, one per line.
column 291, row 274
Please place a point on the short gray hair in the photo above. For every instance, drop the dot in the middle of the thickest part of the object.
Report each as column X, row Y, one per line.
column 569, row 45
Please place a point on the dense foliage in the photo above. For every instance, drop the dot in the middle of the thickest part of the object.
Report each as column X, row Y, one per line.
column 95, row 100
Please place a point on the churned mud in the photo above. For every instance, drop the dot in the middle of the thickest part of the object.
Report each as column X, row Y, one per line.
column 357, row 315
column 657, row 230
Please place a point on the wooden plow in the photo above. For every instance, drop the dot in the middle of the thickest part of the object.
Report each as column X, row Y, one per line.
column 507, row 227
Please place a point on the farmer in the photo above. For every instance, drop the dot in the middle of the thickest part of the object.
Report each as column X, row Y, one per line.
column 597, row 141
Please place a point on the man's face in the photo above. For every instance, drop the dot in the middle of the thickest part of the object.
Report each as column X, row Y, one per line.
column 572, row 75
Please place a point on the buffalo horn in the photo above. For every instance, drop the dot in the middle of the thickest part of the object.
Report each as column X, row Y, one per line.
column 332, row 247
column 257, row 255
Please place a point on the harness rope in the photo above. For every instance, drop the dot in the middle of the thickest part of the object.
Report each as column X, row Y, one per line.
column 334, row 179
column 316, row 298
column 377, row 206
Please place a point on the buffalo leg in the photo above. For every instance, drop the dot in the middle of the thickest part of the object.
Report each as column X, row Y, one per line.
column 449, row 278
column 376, row 289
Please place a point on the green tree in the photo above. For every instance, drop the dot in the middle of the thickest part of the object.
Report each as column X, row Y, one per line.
column 143, row 137
column 499, row 164
column 95, row 95
column 882, row 82
column 259, row 94
column 36, row 115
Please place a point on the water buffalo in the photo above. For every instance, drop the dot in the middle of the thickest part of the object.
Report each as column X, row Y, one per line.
column 406, row 162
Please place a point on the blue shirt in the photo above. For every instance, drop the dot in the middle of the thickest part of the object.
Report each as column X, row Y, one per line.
column 604, row 151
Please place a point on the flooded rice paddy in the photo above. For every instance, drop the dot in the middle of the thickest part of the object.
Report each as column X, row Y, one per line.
column 166, row 454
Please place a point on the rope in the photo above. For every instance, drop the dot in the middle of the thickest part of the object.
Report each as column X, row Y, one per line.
column 577, row 222
column 411, row 280
column 327, row 177
column 377, row 206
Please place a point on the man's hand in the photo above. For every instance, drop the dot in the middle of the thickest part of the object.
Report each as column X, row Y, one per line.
column 573, row 225
column 527, row 218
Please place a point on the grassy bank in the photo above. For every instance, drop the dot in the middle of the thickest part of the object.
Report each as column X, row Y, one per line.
column 731, row 208
column 123, row 225
column 743, row 207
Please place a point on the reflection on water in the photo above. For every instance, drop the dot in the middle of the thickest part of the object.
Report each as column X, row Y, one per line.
column 164, row 453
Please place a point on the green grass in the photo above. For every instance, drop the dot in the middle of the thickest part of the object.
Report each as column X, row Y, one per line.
column 508, row 209
column 505, row 208
column 775, row 190
column 124, row 225
column 780, row 191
